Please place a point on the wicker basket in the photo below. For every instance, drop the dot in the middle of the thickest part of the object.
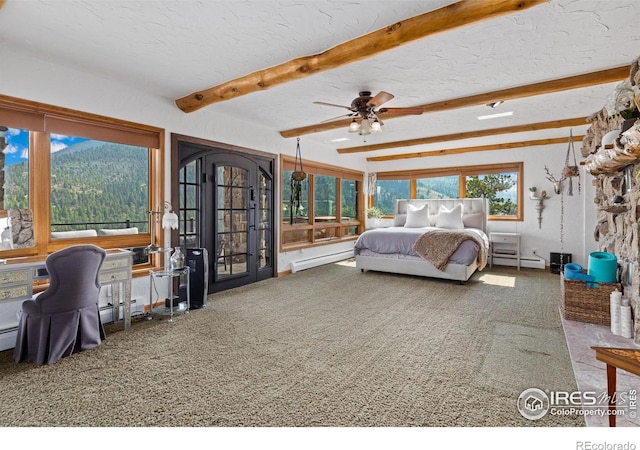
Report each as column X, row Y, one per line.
column 587, row 304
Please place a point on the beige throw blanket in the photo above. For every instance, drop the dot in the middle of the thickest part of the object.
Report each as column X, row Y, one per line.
column 437, row 246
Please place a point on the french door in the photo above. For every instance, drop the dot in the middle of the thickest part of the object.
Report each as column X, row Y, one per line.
column 226, row 206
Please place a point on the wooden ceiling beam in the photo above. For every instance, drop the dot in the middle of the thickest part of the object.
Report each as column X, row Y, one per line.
column 529, row 90
column 479, row 148
column 449, row 17
column 469, row 135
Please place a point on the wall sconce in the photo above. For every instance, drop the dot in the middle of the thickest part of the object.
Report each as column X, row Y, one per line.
column 539, row 199
column 169, row 221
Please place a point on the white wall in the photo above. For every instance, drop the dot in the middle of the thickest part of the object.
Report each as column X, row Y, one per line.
column 36, row 80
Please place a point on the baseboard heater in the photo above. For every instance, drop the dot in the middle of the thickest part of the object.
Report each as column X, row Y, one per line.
column 320, row 260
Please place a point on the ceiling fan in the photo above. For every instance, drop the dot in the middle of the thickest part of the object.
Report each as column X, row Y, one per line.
column 366, row 118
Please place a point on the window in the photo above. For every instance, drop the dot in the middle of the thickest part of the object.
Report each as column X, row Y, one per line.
column 329, row 206
column 294, row 210
column 438, row 187
column 80, row 175
column 387, row 191
column 500, row 183
column 16, row 169
column 98, row 185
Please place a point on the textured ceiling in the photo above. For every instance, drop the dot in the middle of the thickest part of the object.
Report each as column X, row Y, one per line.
column 173, row 48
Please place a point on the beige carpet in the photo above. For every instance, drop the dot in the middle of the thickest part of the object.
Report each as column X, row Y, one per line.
column 328, row 346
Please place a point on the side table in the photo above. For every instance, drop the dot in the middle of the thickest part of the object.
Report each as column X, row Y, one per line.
column 504, row 245
column 169, row 275
column 617, row 358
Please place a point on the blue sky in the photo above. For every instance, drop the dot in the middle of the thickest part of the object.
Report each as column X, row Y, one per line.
column 18, row 144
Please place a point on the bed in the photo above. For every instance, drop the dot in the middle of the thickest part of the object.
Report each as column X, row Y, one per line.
column 453, row 231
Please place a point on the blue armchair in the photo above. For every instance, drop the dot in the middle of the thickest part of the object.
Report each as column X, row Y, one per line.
column 65, row 318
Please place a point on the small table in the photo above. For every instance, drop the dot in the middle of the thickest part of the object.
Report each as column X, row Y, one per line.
column 622, row 358
column 508, row 247
column 169, row 275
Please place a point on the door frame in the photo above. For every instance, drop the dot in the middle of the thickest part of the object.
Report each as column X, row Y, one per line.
column 204, row 146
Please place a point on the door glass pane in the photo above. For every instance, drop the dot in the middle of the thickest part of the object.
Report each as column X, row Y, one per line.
column 188, row 205
column 232, row 221
column 264, row 225
column 239, row 198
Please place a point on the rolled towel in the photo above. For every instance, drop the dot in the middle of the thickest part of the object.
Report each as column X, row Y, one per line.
column 615, row 298
column 626, row 323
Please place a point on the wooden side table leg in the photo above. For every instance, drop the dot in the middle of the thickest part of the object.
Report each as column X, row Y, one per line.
column 611, row 390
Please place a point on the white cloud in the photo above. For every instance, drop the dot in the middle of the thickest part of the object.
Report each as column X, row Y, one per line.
column 56, row 146
column 10, row 149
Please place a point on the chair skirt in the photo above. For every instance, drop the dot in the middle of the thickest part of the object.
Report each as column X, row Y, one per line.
column 45, row 338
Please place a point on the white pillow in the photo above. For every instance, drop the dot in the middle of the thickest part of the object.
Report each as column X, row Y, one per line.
column 117, row 231
column 473, row 220
column 417, row 217
column 399, row 220
column 73, row 234
column 450, row 218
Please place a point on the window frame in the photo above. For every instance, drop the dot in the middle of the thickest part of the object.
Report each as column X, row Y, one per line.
column 42, row 120
column 462, row 172
column 312, row 168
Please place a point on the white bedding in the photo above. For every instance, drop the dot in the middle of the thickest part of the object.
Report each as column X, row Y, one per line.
column 391, row 249
column 400, row 241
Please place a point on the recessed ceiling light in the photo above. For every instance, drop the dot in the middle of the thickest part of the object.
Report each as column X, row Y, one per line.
column 493, row 116
column 342, row 139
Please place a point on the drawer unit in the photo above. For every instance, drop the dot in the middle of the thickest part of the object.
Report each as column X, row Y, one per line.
column 110, row 277
column 506, row 246
column 15, row 292
column 503, row 238
column 14, row 276
column 114, row 263
column 15, row 284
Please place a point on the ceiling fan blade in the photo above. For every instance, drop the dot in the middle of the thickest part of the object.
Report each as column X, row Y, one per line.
column 388, row 112
column 339, row 117
column 379, row 99
column 332, row 104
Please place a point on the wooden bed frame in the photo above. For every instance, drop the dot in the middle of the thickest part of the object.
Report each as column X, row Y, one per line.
column 423, row 268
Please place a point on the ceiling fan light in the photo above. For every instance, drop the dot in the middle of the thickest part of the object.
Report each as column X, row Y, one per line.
column 376, row 127
column 365, row 127
column 354, row 126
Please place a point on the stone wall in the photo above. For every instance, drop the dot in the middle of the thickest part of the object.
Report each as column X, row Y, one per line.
column 617, row 229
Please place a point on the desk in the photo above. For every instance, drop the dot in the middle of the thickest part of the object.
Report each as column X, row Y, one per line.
column 17, row 276
column 621, row 358
column 504, row 245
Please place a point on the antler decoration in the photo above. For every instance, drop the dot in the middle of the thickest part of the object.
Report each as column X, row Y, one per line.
column 557, row 184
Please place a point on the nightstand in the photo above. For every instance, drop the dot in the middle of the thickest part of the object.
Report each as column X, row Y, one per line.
column 504, row 245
